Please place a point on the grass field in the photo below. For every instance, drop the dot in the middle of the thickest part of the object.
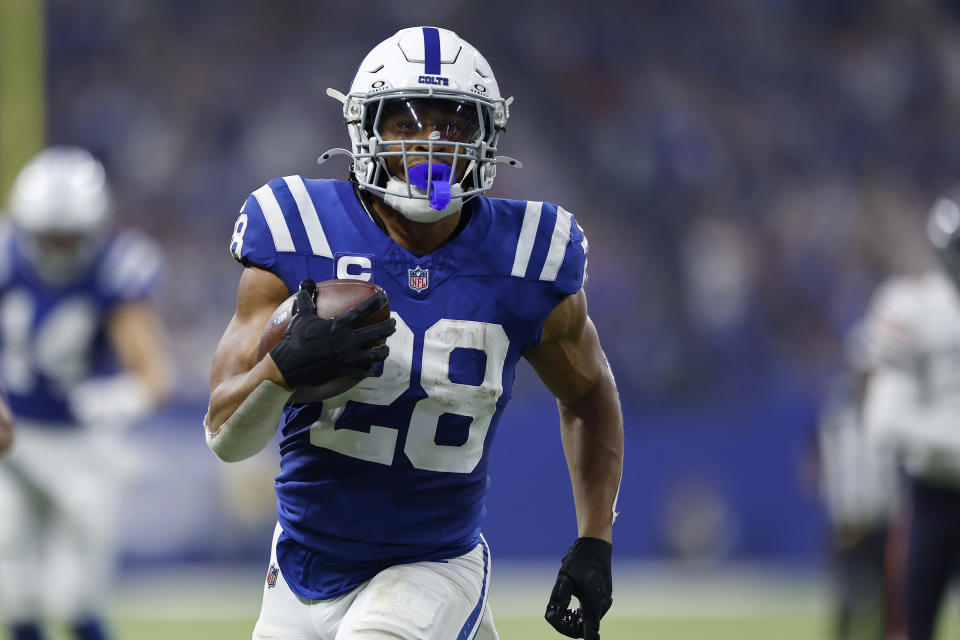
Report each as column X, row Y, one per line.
column 651, row 602
column 779, row 627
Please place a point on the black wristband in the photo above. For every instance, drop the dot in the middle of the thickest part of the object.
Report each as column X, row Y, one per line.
column 592, row 548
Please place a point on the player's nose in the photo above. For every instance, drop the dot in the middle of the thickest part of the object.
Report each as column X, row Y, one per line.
column 439, row 144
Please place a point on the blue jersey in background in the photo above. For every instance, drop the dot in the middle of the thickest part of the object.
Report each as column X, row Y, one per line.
column 54, row 337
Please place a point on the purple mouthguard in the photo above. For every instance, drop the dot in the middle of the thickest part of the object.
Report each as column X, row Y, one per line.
column 439, row 182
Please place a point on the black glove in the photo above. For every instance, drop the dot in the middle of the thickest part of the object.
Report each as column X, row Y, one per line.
column 584, row 573
column 315, row 350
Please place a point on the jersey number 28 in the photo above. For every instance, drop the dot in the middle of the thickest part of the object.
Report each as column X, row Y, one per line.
column 477, row 402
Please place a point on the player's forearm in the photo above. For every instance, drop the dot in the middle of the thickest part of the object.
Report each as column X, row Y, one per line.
column 245, row 411
column 157, row 382
column 592, row 431
column 139, row 338
column 227, row 396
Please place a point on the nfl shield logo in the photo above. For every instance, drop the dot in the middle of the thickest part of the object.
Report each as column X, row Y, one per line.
column 419, row 279
column 272, row 576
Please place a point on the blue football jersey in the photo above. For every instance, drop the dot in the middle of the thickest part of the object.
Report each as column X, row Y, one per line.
column 395, row 469
column 54, row 337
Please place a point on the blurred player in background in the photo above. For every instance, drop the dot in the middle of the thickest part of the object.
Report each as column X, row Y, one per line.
column 859, row 483
column 912, row 407
column 81, row 357
column 381, row 489
column 6, row 426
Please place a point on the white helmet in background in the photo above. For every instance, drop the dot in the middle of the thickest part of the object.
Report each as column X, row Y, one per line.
column 943, row 231
column 417, row 69
column 62, row 205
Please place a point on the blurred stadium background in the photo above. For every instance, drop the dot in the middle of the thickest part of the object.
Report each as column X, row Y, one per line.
column 747, row 171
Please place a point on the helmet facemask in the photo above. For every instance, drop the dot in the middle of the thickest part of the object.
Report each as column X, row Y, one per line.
column 455, row 136
column 59, row 258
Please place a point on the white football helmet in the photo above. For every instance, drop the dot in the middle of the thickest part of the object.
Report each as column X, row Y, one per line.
column 425, row 73
column 62, row 206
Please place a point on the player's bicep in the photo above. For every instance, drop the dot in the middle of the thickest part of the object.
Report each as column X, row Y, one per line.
column 569, row 358
column 260, row 292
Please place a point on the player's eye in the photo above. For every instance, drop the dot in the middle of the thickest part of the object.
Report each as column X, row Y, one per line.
column 401, row 125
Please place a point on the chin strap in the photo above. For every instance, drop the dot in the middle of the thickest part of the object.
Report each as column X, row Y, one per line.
column 398, row 197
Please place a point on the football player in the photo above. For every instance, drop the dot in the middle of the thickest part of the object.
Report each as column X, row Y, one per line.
column 381, row 489
column 911, row 406
column 859, row 486
column 81, row 356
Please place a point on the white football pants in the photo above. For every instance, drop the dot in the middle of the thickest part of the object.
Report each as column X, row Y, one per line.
column 418, row 601
column 58, row 500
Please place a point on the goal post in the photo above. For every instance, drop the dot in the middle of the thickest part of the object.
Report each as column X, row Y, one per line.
column 22, row 86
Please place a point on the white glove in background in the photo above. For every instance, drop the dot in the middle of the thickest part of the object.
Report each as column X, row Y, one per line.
column 110, row 403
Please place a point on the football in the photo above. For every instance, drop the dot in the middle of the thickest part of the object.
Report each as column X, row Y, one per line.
column 333, row 298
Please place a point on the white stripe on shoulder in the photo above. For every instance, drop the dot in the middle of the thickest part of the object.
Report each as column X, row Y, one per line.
column 141, row 277
column 274, row 216
column 558, row 245
column 308, row 214
column 528, row 235
column 132, row 262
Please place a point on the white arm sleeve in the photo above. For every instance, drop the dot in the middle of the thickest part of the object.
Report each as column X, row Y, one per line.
column 252, row 425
